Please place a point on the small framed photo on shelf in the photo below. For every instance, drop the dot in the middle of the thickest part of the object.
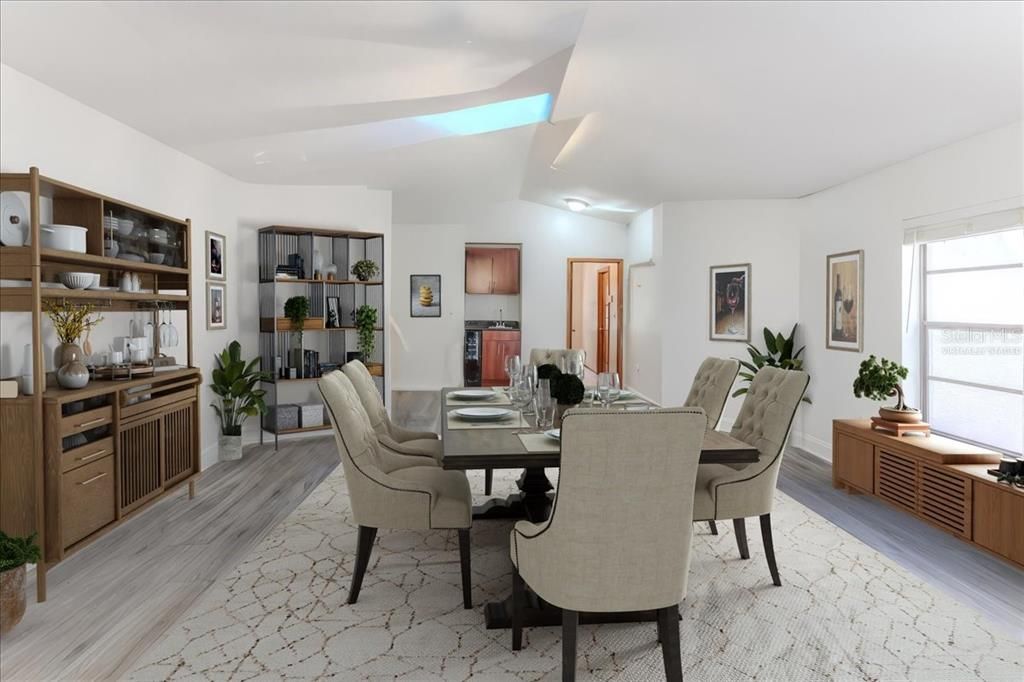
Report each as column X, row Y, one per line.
column 730, row 303
column 216, row 306
column 333, row 320
column 215, row 256
column 425, row 295
column 844, row 301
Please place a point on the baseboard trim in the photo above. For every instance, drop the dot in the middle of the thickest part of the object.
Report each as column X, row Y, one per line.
column 814, row 446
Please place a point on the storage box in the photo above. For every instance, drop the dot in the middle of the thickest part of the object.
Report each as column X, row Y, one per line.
column 281, row 417
column 311, row 414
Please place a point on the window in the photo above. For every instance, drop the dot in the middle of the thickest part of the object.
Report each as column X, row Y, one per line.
column 972, row 337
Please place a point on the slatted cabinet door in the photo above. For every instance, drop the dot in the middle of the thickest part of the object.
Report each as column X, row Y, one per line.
column 179, row 443
column 140, row 459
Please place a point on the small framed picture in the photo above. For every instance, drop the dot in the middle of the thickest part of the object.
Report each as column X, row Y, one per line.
column 216, row 306
column 425, row 295
column 333, row 313
column 215, row 256
column 730, row 303
column 844, row 301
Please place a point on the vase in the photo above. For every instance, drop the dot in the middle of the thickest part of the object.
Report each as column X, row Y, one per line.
column 12, row 598
column 230, row 447
column 71, row 370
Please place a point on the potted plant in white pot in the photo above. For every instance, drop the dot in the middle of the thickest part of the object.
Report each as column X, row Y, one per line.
column 236, row 384
column 879, row 379
column 14, row 554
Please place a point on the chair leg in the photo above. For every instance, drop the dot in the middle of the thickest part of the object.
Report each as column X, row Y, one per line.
column 364, row 545
column 467, row 580
column 570, row 622
column 518, row 604
column 713, row 527
column 769, row 548
column 668, row 625
column 740, row 526
column 488, row 480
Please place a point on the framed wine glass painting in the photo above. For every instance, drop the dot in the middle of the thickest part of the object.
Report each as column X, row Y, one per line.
column 730, row 302
column 844, row 301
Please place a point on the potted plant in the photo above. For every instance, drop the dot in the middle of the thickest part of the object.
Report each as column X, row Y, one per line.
column 779, row 352
column 70, row 322
column 14, row 554
column 366, row 326
column 548, row 371
column 365, row 270
column 568, row 391
column 235, row 383
column 296, row 309
column 879, row 379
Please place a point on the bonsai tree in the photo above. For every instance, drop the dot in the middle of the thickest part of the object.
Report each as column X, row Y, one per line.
column 878, row 379
column 567, row 389
column 15, row 552
column 778, row 353
column 235, row 384
column 366, row 325
column 365, row 270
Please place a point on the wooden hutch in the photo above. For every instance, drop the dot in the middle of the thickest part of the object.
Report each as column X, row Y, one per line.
column 75, row 463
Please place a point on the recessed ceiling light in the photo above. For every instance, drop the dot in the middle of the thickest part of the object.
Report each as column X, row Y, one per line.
column 576, row 204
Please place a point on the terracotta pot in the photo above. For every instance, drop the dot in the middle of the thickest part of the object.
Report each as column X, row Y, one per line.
column 907, row 416
column 12, row 598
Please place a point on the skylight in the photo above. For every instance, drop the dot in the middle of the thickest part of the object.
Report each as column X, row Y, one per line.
column 490, row 117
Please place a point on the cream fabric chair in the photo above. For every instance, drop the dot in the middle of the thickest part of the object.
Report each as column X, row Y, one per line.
column 710, row 390
column 764, row 422
column 552, row 356
column 389, row 489
column 423, row 443
column 618, row 538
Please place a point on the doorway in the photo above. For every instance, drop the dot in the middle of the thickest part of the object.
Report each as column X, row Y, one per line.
column 594, row 313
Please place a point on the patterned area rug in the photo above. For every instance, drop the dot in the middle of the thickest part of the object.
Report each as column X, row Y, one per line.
column 844, row 612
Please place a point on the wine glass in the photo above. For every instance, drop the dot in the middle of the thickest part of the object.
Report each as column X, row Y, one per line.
column 574, row 365
column 604, row 385
column 513, row 366
column 521, row 395
column 528, row 377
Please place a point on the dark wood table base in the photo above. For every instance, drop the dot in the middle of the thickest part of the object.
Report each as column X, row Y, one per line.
column 532, row 503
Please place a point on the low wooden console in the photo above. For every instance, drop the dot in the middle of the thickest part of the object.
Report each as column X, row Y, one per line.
column 939, row 480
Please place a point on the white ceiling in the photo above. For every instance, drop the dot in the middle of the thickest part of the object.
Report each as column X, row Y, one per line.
column 654, row 101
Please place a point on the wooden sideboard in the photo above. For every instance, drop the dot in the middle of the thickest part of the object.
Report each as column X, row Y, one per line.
column 939, row 480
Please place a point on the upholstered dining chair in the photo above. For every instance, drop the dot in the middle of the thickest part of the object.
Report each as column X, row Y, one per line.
column 392, row 490
column 553, row 356
column 710, row 390
column 638, row 468
column 424, row 443
column 764, row 421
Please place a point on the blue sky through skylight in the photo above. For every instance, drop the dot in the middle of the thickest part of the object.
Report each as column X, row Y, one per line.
column 487, row 118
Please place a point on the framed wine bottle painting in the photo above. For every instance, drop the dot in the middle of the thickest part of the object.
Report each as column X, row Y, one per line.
column 844, row 301
column 730, row 302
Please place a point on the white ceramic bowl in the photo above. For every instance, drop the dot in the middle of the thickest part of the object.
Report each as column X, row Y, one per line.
column 125, row 227
column 62, row 237
column 156, row 258
column 95, row 281
column 78, row 280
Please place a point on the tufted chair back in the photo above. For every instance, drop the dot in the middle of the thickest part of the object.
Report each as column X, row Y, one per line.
column 362, row 382
column 553, row 356
column 711, row 386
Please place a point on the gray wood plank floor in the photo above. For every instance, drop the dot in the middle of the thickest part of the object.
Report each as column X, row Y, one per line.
column 112, row 600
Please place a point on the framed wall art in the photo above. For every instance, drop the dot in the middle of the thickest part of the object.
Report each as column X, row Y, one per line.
column 425, row 295
column 844, row 301
column 730, row 303
column 216, row 306
column 215, row 256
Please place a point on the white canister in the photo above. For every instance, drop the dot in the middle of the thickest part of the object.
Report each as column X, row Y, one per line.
column 62, row 237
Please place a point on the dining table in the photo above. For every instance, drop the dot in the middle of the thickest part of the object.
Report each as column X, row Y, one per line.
column 503, row 445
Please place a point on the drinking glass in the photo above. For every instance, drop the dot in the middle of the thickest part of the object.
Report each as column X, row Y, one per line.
column 614, row 387
column 521, row 395
column 513, row 366
column 528, row 377
column 545, row 406
column 604, row 386
column 575, row 366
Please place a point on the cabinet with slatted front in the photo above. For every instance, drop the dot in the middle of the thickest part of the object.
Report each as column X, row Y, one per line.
column 112, row 449
column 939, row 480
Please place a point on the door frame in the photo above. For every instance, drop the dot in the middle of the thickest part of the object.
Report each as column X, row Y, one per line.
column 618, row 304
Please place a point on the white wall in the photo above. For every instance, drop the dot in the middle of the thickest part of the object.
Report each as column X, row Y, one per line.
column 427, row 353
column 642, row 343
column 74, row 143
column 868, row 213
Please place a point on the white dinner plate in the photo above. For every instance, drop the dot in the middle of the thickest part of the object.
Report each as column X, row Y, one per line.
column 472, row 395
column 623, row 395
column 555, row 434
column 482, row 414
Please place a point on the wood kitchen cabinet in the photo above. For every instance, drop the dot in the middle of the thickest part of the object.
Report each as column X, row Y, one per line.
column 492, row 270
column 497, row 345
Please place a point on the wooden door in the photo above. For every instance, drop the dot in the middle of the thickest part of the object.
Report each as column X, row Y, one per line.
column 604, row 313
column 479, row 270
column 505, row 272
column 497, row 345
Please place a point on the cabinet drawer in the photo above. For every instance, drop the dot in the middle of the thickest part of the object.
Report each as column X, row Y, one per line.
column 87, row 500
column 140, row 404
column 91, row 452
column 76, row 423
